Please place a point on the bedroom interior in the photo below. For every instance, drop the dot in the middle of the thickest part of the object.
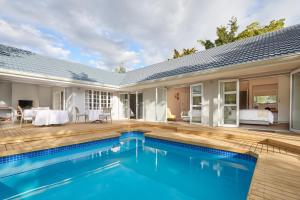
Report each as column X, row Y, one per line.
column 264, row 102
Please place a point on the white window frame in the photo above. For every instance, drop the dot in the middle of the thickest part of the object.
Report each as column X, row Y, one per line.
column 191, row 102
column 97, row 105
column 237, row 92
column 291, row 99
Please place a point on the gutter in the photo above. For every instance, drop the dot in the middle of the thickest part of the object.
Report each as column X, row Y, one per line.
column 55, row 80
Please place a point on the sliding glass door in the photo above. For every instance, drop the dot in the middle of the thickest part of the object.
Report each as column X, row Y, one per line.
column 140, row 106
column 124, row 106
column 229, row 103
column 59, row 100
column 295, row 101
column 136, row 105
column 196, row 94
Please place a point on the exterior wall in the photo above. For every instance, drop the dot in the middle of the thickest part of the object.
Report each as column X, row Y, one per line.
column 22, row 91
column 149, row 104
column 5, row 94
column 45, row 96
column 115, row 106
column 79, row 98
column 284, row 98
column 69, row 102
column 210, row 112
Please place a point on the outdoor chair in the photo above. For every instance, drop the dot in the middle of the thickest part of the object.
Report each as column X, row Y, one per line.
column 19, row 114
column 170, row 116
column 78, row 115
column 105, row 115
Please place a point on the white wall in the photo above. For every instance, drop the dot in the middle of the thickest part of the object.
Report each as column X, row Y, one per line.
column 45, row 96
column 115, row 106
column 5, row 94
column 210, row 112
column 22, row 91
column 149, row 104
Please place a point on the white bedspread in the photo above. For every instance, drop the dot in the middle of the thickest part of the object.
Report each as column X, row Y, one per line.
column 49, row 117
column 256, row 115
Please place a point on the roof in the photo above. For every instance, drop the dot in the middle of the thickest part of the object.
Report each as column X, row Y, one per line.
column 263, row 47
column 25, row 61
column 285, row 41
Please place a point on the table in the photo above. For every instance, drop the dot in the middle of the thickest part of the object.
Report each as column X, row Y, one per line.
column 94, row 115
column 50, row 117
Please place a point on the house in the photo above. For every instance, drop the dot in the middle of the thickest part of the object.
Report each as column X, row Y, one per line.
column 223, row 86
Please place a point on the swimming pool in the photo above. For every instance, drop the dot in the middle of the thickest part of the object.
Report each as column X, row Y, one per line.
column 127, row 167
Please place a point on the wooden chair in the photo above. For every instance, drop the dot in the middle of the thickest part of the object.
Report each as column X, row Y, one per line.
column 78, row 115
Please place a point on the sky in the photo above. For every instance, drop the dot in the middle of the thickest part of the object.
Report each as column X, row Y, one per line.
column 132, row 33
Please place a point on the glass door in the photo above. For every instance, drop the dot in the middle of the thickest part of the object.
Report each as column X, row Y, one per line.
column 59, row 100
column 229, row 103
column 295, row 101
column 140, row 106
column 196, row 94
column 124, row 106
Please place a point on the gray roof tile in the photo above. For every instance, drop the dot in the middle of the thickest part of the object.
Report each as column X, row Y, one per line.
column 270, row 45
column 282, row 42
column 26, row 61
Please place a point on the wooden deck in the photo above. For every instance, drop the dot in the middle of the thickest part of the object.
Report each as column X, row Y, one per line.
column 277, row 173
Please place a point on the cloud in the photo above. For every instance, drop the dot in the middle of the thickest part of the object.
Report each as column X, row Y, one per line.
column 107, row 30
column 27, row 37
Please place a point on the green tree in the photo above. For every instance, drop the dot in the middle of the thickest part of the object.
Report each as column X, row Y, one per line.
column 254, row 28
column 120, row 69
column 227, row 34
column 207, row 43
column 184, row 52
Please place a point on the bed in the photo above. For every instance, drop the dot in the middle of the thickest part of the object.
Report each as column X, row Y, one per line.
column 254, row 116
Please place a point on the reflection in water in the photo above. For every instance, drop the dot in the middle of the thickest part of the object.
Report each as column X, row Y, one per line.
column 204, row 163
column 217, row 167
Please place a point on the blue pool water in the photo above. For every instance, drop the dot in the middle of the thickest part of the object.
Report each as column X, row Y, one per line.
column 127, row 167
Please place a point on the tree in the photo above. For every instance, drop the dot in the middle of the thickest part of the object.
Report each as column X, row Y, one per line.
column 120, row 69
column 254, row 28
column 184, row 52
column 229, row 34
column 207, row 43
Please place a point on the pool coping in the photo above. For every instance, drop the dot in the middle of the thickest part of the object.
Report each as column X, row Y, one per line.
column 216, row 149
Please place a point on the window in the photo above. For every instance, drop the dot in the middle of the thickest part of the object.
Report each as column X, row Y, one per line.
column 88, row 100
column 109, row 97
column 106, row 98
column 96, row 100
column 92, row 100
column 265, row 99
column 103, row 99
